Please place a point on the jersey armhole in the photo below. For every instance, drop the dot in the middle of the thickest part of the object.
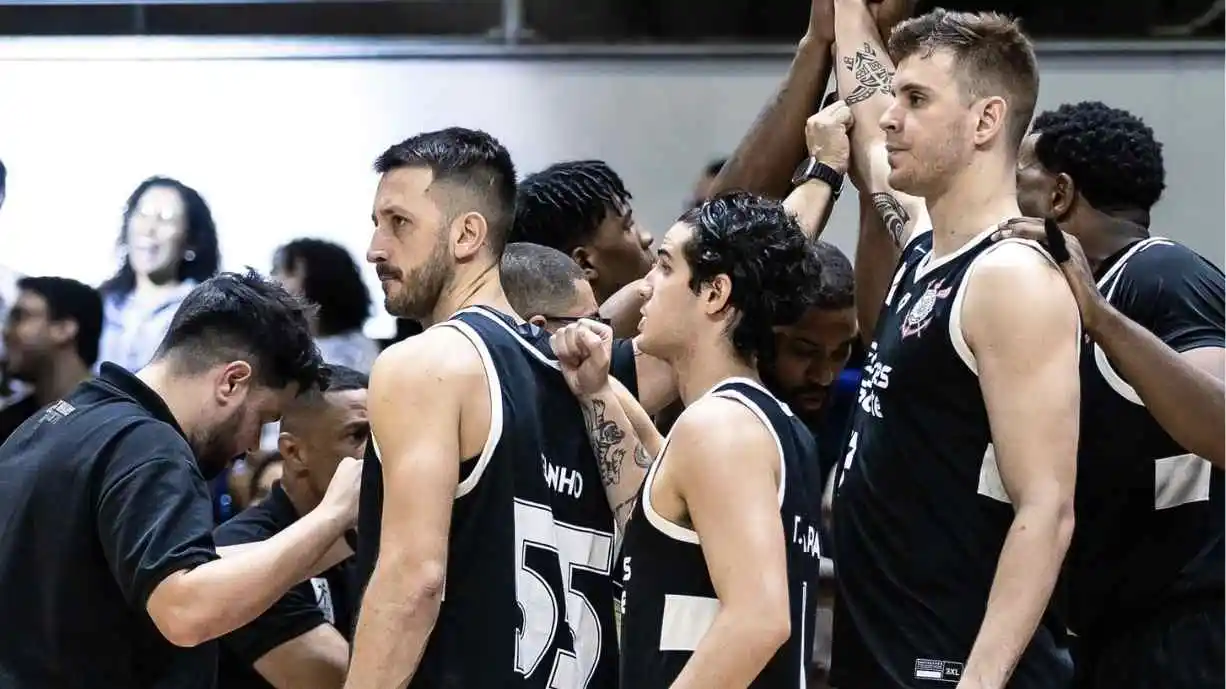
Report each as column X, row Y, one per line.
column 957, row 335
column 494, row 386
column 770, row 428
column 655, row 519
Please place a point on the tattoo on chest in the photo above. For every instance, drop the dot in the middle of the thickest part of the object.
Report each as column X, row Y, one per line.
column 605, row 436
column 894, row 215
column 871, row 76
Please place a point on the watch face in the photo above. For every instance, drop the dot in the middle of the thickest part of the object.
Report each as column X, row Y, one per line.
column 804, row 171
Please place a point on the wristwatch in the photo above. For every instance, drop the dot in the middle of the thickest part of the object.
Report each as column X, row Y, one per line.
column 812, row 168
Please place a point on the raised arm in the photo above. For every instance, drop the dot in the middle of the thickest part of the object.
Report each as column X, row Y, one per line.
column 417, row 390
column 864, row 73
column 828, row 143
column 724, row 465
column 1026, row 352
column 769, row 152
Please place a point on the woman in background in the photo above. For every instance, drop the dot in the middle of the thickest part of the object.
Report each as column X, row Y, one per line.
column 326, row 274
column 168, row 244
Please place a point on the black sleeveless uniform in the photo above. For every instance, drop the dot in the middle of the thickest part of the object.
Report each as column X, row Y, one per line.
column 669, row 598
column 502, row 622
column 1145, row 571
column 920, row 515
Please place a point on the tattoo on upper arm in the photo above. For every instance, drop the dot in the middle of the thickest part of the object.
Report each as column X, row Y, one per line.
column 872, row 77
column 641, row 457
column 621, row 513
column 894, row 215
column 605, row 436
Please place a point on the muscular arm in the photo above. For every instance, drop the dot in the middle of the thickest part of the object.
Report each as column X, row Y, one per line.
column 314, row 660
column 624, row 441
column 416, row 391
column 1027, row 353
column 811, row 203
column 876, row 260
column 724, row 464
column 1184, row 391
column 769, row 152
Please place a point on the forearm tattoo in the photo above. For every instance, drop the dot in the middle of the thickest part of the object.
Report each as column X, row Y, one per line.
column 621, row 513
column 872, row 77
column 894, row 215
column 605, row 436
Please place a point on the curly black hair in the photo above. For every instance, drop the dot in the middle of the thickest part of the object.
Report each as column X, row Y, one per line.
column 331, row 280
column 758, row 244
column 561, row 206
column 201, row 238
column 835, row 287
column 1111, row 155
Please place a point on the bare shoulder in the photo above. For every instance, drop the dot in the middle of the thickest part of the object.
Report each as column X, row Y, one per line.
column 1016, row 287
column 716, row 429
column 433, row 359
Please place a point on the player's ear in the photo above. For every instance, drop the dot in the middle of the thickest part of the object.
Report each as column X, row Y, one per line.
column 1063, row 196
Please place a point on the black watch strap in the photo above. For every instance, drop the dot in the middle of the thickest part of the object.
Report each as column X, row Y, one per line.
column 812, row 168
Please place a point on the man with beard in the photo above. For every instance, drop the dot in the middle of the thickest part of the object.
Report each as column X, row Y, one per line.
column 108, row 565
column 478, row 534
column 51, row 337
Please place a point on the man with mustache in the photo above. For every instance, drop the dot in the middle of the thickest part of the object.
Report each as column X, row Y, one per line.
column 108, row 556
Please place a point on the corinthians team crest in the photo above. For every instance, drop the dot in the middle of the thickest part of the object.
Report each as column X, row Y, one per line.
column 920, row 314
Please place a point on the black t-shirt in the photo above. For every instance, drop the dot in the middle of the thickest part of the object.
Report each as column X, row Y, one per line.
column 100, row 500
column 15, row 414
column 322, row 600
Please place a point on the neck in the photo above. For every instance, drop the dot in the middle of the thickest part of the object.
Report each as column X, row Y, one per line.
column 147, row 285
column 483, row 289
column 182, row 400
column 1107, row 237
column 59, row 379
column 982, row 195
column 300, row 494
column 703, row 367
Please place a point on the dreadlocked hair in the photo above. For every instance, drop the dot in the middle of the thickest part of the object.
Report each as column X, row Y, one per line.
column 561, row 206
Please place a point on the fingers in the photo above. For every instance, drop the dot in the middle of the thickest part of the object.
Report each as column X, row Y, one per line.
column 837, row 113
column 1047, row 232
column 1055, row 241
column 603, row 332
column 565, row 347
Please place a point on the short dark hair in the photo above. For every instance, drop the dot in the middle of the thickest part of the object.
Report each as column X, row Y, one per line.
column 758, row 244
column 712, row 169
column 836, row 285
column 69, row 300
column 538, row 280
column 201, row 238
column 246, row 316
column 470, row 159
column 990, row 50
column 561, row 206
column 331, row 280
column 339, row 379
column 1111, row 154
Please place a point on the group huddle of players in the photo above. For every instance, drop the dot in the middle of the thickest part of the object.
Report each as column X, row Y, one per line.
column 1022, row 385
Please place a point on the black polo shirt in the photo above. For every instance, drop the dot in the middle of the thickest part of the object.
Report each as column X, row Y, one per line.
column 100, row 500
column 322, row 600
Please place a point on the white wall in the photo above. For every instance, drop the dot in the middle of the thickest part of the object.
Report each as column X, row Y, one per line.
column 282, row 147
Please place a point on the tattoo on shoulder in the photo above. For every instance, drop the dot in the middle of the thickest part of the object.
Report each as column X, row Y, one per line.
column 605, row 436
column 894, row 215
column 872, row 77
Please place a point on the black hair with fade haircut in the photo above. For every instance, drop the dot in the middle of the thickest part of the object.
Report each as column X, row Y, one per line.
column 561, row 206
column 201, row 238
column 538, row 280
column 69, row 300
column 245, row 316
column 758, row 244
column 835, row 287
column 1110, row 154
column 330, row 280
column 470, row 159
column 339, row 379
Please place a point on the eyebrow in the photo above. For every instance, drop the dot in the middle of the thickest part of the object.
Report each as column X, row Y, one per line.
column 663, row 253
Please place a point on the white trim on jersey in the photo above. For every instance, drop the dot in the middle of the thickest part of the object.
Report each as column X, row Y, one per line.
column 1101, row 362
column 518, row 338
column 686, row 620
column 664, row 526
column 758, row 412
column 496, row 412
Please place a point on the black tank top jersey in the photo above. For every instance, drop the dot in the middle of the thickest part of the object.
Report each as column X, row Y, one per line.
column 920, row 514
column 1149, row 514
column 502, row 622
column 669, row 600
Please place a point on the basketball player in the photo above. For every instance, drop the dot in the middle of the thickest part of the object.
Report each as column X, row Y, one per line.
column 470, row 487
column 695, row 614
column 955, row 503
column 301, row 642
column 1145, row 584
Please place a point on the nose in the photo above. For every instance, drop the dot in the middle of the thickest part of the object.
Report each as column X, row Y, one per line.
column 821, row 374
column 890, row 118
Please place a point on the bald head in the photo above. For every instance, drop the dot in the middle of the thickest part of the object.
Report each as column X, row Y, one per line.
column 544, row 285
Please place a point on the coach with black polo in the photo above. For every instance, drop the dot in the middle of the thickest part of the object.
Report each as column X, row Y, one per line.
column 109, row 578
